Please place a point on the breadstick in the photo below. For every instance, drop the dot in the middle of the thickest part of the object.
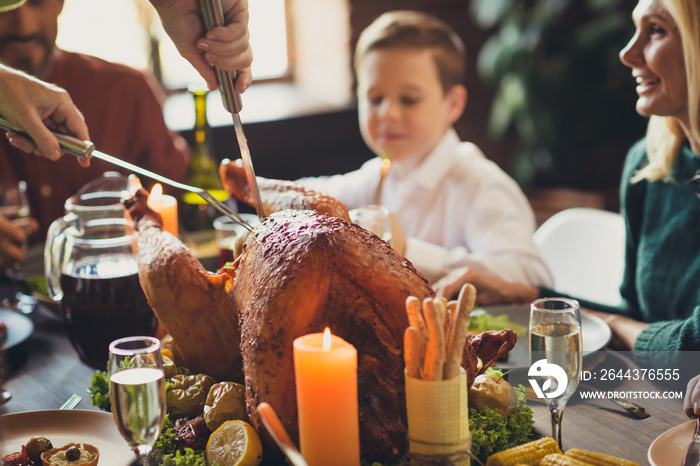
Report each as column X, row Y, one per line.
column 465, row 304
column 435, row 352
column 443, row 319
column 415, row 319
column 449, row 322
column 452, row 307
column 441, row 306
column 411, row 352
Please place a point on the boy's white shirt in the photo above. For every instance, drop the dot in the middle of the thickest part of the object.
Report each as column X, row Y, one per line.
column 457, row 209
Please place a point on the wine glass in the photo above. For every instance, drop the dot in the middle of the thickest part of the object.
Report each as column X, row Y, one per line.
column 137, row 391
column 374, row 218
column 556, row 356
column 14, row 206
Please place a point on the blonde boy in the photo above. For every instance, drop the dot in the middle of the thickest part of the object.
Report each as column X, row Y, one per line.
column 456, row 208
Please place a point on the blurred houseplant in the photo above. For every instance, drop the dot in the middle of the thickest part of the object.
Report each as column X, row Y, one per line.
column 560, row 86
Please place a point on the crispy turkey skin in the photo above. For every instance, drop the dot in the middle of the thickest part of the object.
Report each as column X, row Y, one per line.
column 300, row 271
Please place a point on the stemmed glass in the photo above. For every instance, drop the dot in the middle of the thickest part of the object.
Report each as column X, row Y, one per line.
column 137, row 391
column 374, row 218
column 556, row 356
column 14, row 206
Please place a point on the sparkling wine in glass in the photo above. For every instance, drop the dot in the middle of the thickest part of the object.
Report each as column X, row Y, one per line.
column 137, row 391
column 556, row 356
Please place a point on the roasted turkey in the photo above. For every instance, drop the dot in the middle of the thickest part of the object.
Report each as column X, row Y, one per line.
column 300, row 271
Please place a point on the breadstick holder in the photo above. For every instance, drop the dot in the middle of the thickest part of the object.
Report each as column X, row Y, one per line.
column 438, row 421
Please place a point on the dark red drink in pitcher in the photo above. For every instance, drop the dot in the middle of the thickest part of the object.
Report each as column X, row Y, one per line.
column 98, row 309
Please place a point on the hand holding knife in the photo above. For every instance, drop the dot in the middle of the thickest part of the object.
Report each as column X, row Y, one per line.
column 213, row 16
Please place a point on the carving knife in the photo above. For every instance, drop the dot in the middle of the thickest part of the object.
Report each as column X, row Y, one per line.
column 86, row 150
column 213, row 16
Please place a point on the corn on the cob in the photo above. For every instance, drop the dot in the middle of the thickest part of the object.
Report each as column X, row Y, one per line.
column 598, row 459
column 557, row 459
column 528, row 453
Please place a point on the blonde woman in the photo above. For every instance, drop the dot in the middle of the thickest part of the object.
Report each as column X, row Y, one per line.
column 661, row 286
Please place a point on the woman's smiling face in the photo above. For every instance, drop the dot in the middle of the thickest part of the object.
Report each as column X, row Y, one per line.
column 655, row 54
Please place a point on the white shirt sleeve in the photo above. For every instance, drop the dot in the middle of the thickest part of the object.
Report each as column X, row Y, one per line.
column 354, row 189
column 485, row 222
column 499, row 225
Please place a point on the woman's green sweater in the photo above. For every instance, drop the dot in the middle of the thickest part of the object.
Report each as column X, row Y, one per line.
column 661, row 284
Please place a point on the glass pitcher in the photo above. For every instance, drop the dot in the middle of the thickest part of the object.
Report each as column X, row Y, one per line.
column 101, row 197
column 91, row 269
column 93, row 274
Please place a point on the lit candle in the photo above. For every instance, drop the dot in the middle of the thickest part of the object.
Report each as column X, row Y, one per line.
column 166, row 206
column 325, row 368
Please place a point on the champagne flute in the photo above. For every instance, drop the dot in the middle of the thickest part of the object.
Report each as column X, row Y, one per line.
column 556, row 356
column 137, row 391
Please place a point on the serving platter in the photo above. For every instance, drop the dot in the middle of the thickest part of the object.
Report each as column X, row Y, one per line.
column 670, row 447
column 19, row 328
column 595, row 334
column 66, row 426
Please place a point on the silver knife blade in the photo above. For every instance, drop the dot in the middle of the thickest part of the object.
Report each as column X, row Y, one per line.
column 86, row 150
column 213, row 16
column 248, row 165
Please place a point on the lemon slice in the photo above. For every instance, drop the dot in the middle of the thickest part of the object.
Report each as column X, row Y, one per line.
column 235, row 443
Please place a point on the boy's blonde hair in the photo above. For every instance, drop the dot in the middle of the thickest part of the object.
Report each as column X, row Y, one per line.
column 664, row 134
column 403, row 29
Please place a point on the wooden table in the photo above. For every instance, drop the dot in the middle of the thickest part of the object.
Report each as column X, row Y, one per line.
column 604, row 427
column 45, row 371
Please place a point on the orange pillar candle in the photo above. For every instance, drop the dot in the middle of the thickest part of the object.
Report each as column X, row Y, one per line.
column 325, row 368
column 166, row 206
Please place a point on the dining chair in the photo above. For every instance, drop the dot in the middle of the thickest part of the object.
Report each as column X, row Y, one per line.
column 584, row 249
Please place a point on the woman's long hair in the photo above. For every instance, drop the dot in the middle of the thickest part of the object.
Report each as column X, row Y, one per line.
column 664, row 134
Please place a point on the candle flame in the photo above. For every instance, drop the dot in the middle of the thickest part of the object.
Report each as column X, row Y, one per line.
column 157, row 190
column 327, row 339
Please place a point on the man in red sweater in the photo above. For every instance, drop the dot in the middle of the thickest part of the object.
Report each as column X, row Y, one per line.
column 122, row 108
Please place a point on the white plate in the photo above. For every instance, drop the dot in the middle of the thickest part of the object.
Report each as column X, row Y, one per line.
column 595, row 335
column 19, row 328
column 670, row 447
column 66, row 426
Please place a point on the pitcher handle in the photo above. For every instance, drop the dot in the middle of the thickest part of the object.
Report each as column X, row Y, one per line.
column 53, row 253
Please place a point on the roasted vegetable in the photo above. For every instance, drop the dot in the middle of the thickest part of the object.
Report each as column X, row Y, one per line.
column 225, row 402
column 169, row 367
column 558, row 459
column 492, row 432
column 188, row 394
column 528, row 453
column 36, row 446
column 597, row 459
column 191, row 433
column 493, row 392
